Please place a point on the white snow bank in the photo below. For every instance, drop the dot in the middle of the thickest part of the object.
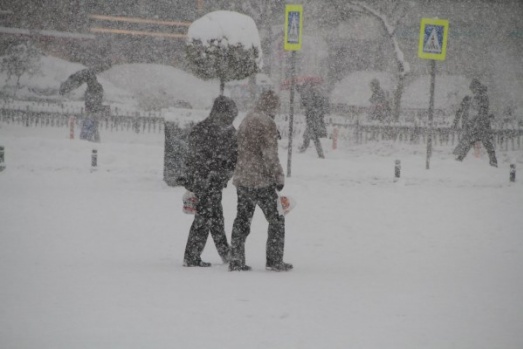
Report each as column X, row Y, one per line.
column 51, row 73
column 156, row 81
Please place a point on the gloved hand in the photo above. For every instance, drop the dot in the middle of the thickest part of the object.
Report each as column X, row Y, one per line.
column 279, row 187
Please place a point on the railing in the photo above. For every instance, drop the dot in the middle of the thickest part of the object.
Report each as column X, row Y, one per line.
column 507, row 137
column 139, row 123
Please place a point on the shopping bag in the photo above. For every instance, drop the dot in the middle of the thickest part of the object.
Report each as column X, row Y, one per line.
column 189, row 202
column 285, row 204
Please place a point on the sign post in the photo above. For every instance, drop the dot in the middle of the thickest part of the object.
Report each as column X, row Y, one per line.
column 433, row 46
column 292, row 42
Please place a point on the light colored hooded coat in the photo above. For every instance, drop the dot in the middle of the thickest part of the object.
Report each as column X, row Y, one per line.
column 258, row 163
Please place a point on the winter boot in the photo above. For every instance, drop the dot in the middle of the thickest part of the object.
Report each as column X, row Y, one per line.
column 226, row 257
column 199, row 263
column 237, row 266
column 281, row 266
column 492, row 159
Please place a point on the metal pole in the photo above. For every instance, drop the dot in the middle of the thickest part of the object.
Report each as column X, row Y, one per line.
column 2, row 163
column 432, row 64
column 291, row 112
column 397, row 169
column 94, row 159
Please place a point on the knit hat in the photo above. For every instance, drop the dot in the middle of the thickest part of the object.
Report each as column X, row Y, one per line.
column 268, row 101
column 475, row 84
column 224, row 105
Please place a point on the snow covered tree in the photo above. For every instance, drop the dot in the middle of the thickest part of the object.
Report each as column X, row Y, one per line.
column 224, row 45
column 20, row 59
column 389, row 15
column 398, row 10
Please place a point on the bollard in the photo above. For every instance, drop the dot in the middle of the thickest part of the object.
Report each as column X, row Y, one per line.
column 94, row 159
column 397, row 169
column 2, row 163
column 512, row 172
column 71, row 127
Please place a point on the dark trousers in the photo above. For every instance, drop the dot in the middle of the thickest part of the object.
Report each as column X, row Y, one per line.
column 468, row 141
column 307, row 136
column 266, row 198
column 208, row 219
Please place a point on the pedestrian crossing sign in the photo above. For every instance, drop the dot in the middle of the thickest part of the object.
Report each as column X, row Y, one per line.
column 433, row 39
column 293, row 27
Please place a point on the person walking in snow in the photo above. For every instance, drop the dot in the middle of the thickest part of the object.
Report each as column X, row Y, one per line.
column 315, row 109
column 462, row 114
column 479, row 129
column 258, row 177
column 93, row 107
column 210, row 164
column 93, row 97
column 379, row 109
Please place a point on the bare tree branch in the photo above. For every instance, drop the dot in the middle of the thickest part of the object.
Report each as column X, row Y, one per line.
column 403, row 66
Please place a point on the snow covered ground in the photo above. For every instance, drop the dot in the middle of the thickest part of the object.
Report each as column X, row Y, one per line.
column 93, row 259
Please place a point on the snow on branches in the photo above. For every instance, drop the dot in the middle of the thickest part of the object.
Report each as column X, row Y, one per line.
column 224, row 45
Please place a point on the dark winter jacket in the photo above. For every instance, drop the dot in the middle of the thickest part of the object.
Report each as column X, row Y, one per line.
column 316, row 106
column 463, row 114
column 93, row 96
column 479, row 110
column 212, row 150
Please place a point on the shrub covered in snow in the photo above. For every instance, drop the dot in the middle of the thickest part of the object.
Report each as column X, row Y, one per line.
column 224, row 45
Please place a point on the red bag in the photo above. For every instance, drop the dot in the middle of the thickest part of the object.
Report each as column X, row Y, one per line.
column 189, row 202
column 285, row 204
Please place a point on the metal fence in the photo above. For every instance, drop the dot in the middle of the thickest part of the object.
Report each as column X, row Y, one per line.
column 507, row 136
column 138, row 123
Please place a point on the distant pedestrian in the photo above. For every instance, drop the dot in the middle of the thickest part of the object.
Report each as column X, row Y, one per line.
column 316, row 106
column 210, row 164
column 462, row 114
column 93, row 108
column 462, row 118
column 93, row 98
column 479, row 129
column 258, row 177
column 379, row 109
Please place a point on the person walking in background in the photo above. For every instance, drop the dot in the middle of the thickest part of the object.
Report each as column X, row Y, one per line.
column 210, row 164
column 93, row 108
column 257, row 177
column 316, row 107
column 479, row 129
column 462, row 114
column 379, row 109
column 93, row 98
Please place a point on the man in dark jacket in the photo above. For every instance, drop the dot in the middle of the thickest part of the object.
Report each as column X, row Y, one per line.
column 463, row 114
column 210, row 165
column 315, row 109
column 257, row 177
column 479, row 129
